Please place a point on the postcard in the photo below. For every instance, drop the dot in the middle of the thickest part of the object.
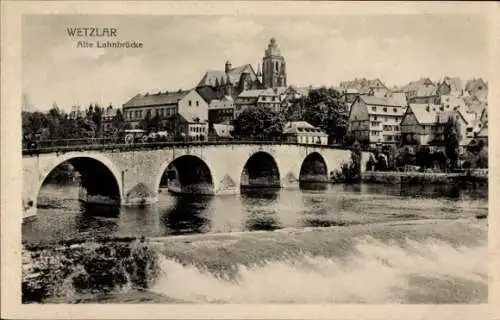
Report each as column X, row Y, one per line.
column 248, row 160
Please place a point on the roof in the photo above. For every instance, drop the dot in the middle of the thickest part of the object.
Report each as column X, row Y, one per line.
column 302, row 127
column 425, row 113
column 221, row 104
column 398, row 98
column 255, row 93
column 190, row 117
column 223, row 130
column 473, row 84
column 483, row 133
column 207, row 93
column 426, row 91
column 455, row 83
column 218, row 77
column 414, row 85
column 377, row 101
column 163, row 98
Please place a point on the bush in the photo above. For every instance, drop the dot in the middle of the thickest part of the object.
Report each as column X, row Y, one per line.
column 87, row 268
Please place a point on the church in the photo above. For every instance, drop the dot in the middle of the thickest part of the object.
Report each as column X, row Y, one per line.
column 231, row 81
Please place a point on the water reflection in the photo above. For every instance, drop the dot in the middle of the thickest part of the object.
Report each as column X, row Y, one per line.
column 187, row 215
column 256, row 209
column 313, row 186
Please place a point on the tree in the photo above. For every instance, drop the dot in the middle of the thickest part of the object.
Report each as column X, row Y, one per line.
column 451, row 139
column 258, row 123
column 325, row 109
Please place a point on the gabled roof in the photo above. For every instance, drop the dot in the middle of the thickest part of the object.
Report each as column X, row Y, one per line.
column 377, row 101
column 218, row 77
column 302, row 127
column 190, row 117
column 425, row 113
column 207, row 93
column 426, row 91
column 473, row 84
column 455, row 83
column 483, row 133
column 398, row 98
column 156, row 99
column 255, row 93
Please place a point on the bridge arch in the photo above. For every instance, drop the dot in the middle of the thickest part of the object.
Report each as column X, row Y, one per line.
column 313, row 168
column 98, row 176
column 260, row 170
column 187, row 174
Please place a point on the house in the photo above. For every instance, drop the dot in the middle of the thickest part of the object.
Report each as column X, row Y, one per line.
column 426, row 94
column 221, row 110
column 451, row 86
column 350, row 90
column 476, row 85
column 264, row 98
column 305, row 133
column 412, row 88
column 450, row 102
column 418, row 124
column 424, row 124
column 165, row 105
column 187, row 126
column 107, row 118
column 375, row 120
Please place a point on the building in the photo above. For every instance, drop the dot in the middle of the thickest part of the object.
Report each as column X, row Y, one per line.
column 304, row 133
column 424, row 124
column 273, row 66
column 221, row 110
column 418, row 124
column 411, row 89
column 375, row 120
column 107, row 117
column 450, row 102
column 451, row 86
column 426, row 94
column 165, row 105
column 187, row 126
column 269, row 99
column 232, row 81
column 350, row 90
column 474, row 86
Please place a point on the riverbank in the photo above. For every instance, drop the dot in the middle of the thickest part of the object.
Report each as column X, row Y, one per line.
column 396, row 177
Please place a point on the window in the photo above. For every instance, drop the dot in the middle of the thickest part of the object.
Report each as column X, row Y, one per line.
column 385, row 109
column 395, row 109
column 190, row 103
column 374, row 108
column 197, row 103
column 469, row 129
column 374, row 117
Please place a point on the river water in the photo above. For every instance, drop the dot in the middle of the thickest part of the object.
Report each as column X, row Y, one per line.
column 327, row 244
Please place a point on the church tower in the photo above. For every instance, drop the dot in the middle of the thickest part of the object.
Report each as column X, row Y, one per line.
column 273, row 67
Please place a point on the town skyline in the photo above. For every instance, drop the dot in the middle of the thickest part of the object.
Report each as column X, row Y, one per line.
column 55, row 70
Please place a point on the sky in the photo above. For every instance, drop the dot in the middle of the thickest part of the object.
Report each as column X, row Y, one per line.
column 177, row 50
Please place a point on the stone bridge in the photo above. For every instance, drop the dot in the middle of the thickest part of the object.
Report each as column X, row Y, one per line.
column 133, row 177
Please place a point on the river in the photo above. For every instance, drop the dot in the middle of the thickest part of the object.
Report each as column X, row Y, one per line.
column 332, row 244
